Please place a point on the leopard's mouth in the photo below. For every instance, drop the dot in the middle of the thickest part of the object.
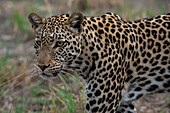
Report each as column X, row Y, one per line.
column 49, row 75
column 53, row 75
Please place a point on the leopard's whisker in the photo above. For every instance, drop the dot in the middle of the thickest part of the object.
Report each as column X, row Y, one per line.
column 69, row 74
column 34, row 74
column 36, row 66
column 66, row 80
column 69, row 81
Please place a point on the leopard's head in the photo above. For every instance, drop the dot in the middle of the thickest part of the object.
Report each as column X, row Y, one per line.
column 57, row 41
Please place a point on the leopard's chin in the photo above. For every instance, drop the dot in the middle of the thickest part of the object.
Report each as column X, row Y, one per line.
column 51, row 76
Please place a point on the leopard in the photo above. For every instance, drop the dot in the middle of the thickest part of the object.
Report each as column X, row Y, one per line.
column 120, row 61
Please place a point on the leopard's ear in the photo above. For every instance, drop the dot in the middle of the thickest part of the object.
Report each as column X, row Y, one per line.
column 36, row 21
column 74, row 22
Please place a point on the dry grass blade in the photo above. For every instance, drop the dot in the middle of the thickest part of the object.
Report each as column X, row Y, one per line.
column 62, row 102
column 18, row 76
column 17, row 84
column 11, row 87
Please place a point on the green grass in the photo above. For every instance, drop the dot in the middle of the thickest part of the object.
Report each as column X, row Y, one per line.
column 18, row 109
column 3, row 61
column 66, row 97
column 36, row 90
column 20, row 20
column 4, row 74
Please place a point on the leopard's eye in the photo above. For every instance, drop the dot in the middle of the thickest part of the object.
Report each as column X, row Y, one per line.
column 38, row 42
column 58, row 44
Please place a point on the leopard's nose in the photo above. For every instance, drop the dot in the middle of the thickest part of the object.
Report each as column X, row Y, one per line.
column 43, row 67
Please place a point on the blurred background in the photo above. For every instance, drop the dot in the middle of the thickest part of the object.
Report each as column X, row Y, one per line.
column 22, row 91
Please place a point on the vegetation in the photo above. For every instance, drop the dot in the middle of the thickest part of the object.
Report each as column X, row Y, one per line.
column 22, row 90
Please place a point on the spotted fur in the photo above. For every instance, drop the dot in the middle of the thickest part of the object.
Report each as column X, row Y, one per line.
column 119, row 60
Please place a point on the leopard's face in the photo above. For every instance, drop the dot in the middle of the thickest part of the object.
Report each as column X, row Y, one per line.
column 57, row 42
